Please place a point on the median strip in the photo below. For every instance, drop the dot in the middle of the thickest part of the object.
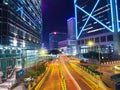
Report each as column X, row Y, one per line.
column 42, row 80
column 93, row 86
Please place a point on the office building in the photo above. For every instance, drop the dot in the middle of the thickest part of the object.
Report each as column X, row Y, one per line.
column 98, row 21
column 54, row 38
column 20, row 34
column 71, row 28
column 68, row 46
column 118, row 6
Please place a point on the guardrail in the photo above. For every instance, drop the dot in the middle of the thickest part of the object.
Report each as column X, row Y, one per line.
column 110, row 62
column 90, row 77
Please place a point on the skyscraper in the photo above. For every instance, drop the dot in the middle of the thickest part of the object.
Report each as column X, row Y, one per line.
column 98, row 21
column 20, row 34
column 71, row 28
column 54, row 38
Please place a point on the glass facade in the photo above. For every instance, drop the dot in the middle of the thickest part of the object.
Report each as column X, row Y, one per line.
column 20, row 31
column 71, row 28
column 98, row 21
column 100, row 10
column 54, row 38
column 118, row 4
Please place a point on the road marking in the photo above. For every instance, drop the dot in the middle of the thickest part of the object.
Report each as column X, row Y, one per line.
column 93, row 88
column 74, row 81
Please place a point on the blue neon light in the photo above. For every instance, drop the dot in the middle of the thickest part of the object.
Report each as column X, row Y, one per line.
column 88, row 18
column 76, row 22
column 21, row 10
column 75, row 1
column 115, row 24
column 70, row 18
column 112, row 15
column 117, row 15
column 93, row 18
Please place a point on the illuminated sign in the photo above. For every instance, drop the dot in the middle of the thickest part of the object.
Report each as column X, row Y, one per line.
column 54, row 33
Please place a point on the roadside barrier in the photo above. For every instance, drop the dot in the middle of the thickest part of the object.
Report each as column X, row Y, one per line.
column 90, row 77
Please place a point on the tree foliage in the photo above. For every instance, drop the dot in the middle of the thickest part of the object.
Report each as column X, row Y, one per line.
column 92, row 55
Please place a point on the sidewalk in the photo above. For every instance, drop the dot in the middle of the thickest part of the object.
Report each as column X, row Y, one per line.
column 4, row 88
column 7, row 84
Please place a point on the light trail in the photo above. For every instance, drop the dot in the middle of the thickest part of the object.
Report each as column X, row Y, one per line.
column 52, row 81
column 74, row 81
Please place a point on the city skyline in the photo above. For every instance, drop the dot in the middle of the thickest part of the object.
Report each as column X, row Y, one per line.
column 84, row 45
column 55, row 15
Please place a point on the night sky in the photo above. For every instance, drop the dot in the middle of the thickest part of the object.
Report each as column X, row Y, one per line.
column 55, row 14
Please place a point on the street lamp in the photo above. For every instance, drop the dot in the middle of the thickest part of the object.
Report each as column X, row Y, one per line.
column 99, row 59
column 91, row 43
column 43, row 52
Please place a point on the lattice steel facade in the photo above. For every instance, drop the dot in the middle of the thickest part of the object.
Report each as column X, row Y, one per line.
column 99, row 21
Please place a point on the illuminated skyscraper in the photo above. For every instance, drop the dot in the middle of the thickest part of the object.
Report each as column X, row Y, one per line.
column 20, row 34
column 71, row 28
column 69, row 45
column 54, row 38
column 118, row 6
column 99, row 21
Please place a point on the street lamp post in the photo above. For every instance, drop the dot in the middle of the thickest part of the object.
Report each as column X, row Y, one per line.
column 91, row 43
column 99, row 58
column 43, row 52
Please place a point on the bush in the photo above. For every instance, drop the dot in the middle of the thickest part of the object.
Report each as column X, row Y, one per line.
column 92, row 55
column 92, row 68
column 82, row 61
column 35, row 73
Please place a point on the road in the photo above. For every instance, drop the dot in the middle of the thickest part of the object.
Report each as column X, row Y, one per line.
column 63, row 77
column 70, row 81
column 52, row 81
column 78, row 82
column 109, row 68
